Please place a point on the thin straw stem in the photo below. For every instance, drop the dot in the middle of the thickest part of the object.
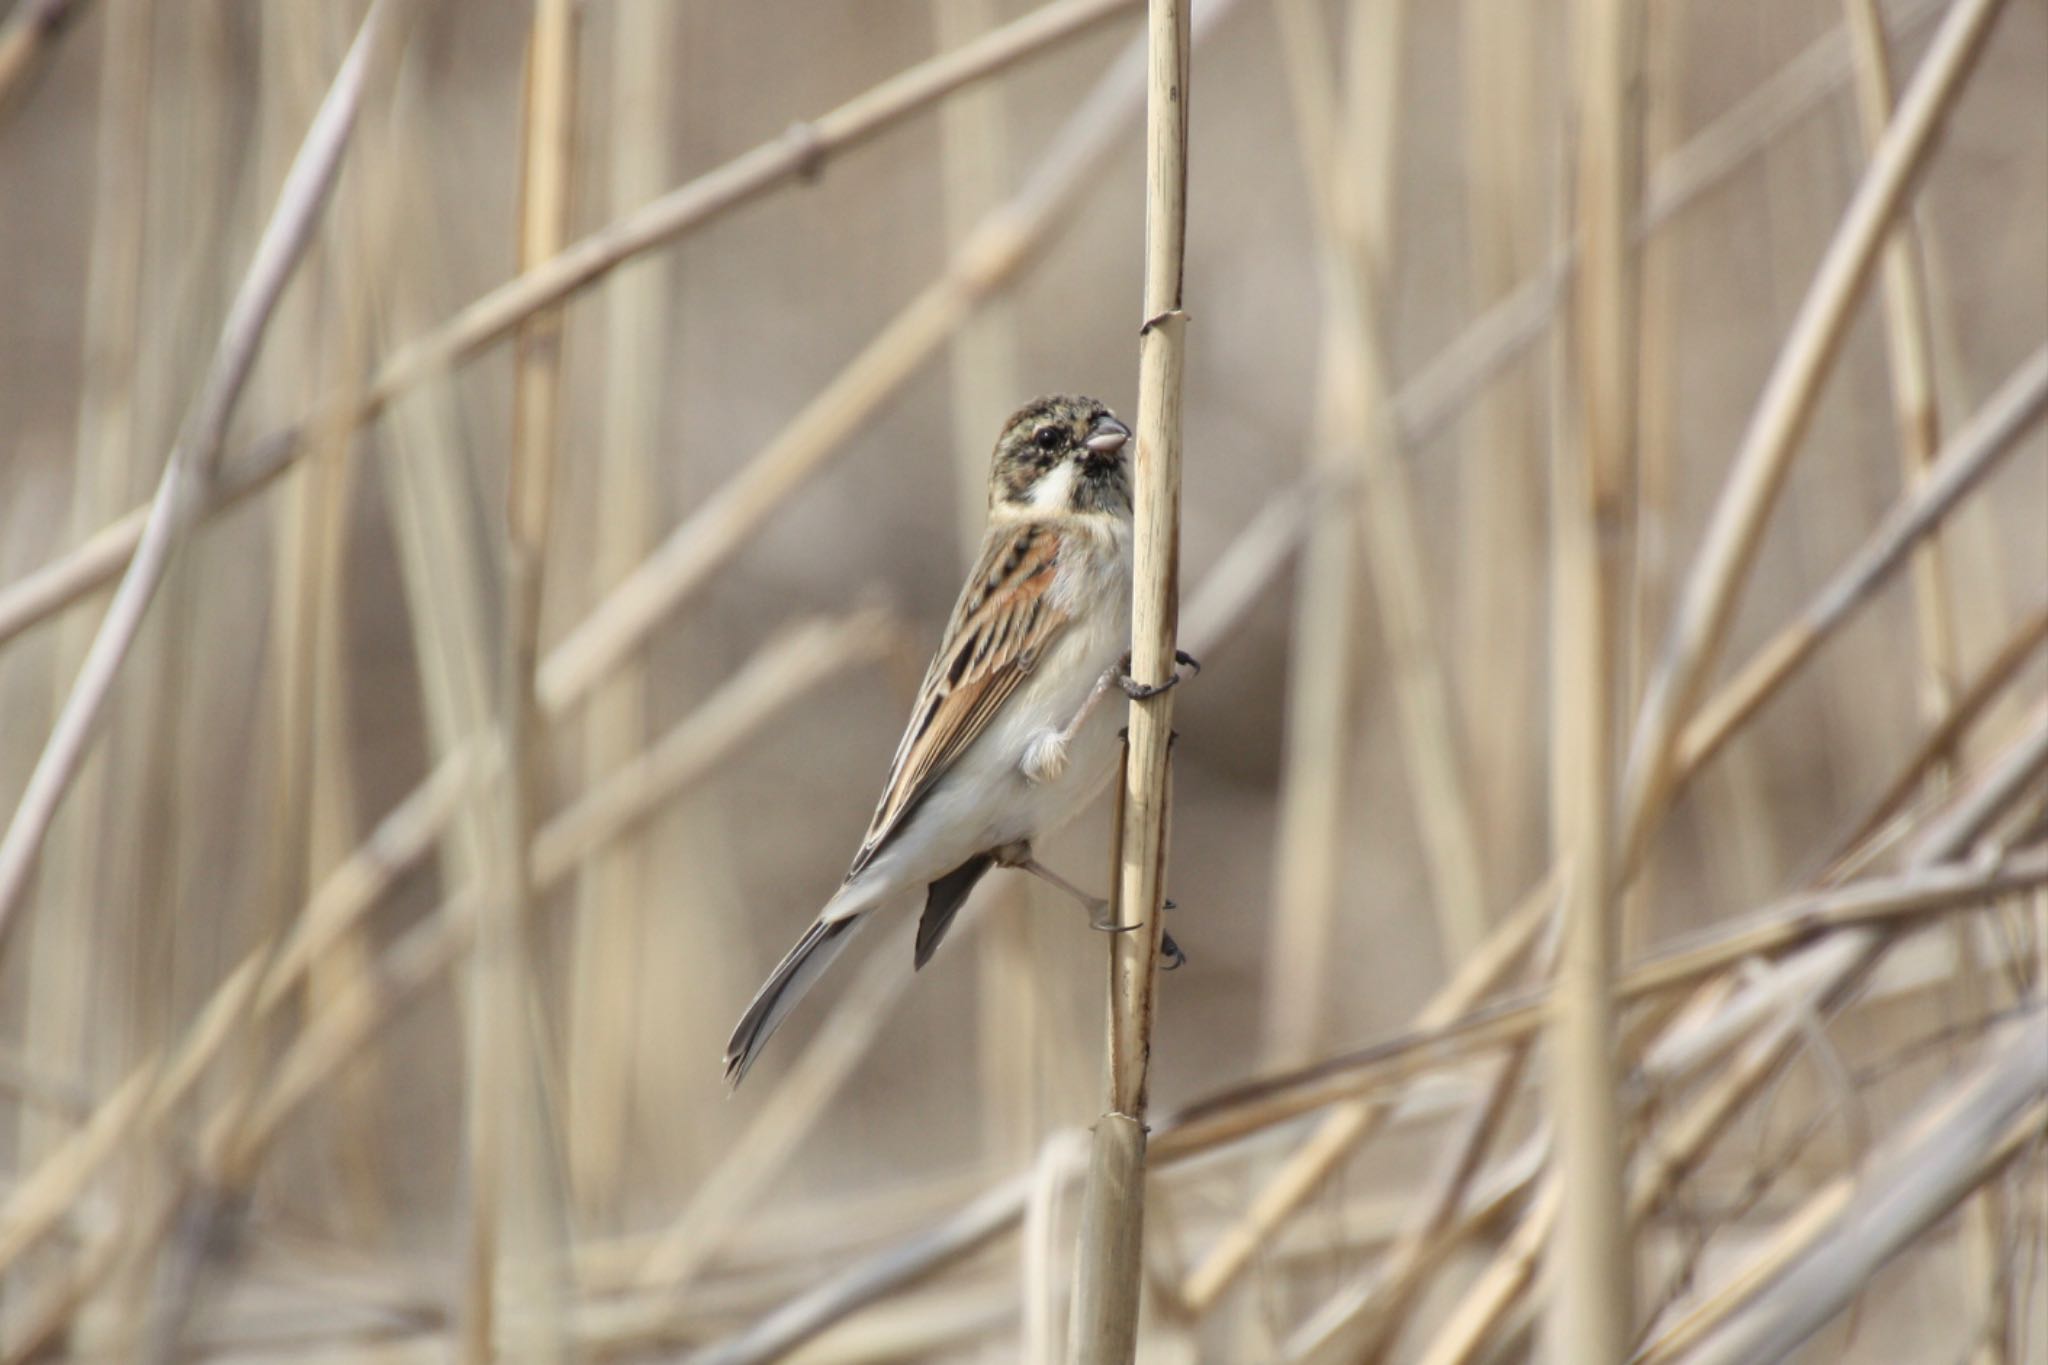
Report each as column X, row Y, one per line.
column 1107, row 1273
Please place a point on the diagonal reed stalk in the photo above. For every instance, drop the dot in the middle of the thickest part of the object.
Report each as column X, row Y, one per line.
column 1956, row 1146
column 190, row 469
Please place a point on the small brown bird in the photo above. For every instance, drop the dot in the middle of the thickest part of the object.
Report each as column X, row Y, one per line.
column 1007, row 740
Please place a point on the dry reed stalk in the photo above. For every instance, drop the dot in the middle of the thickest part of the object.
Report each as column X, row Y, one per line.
column 794, row 1107
column 1110, row 1253
column 1316, row 764
column 1909, row 355
column 610, row 928
column 444, row 565
column 1359, row 241
column 144, row 882
column 1910, row 361
column 787, row 668
column 202, row 1227
column 767, row 1250
column 1970, row 455
column 56, row 1312
column 1707, row 599
column 1349, row 1124
column 1317, row 744
column 1818, row 974
column 315, row 344
column 1959, row 1142
column 1012, row 962
column 511, row 1301
column 1656, row 402
column 35, row 1207
column 1362, row 1322
column 326, row 821
column 950, row 1320
column 1795, row 926
column 57, row 998
column 2027, row 635
column 1355, row 130
column 1498, row 501
column 1590, row 1313
column 782, row 672
column 801, row 1319
column 1936, row 68
column 1791, row 1236
column 1825, row 972
column 1061, row 1160
column 795, row 156
column 1479, row 1311
column 982, row 362
column 193, row 460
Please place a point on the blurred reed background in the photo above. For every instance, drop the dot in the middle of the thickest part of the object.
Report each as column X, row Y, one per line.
column 533, row 680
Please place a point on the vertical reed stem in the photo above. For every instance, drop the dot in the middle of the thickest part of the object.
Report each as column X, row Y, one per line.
column 1591, row 1313
column 1107, row 1272
column 505, row 1115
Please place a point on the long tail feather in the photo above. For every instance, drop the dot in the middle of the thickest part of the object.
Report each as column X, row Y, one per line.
column 792, row 977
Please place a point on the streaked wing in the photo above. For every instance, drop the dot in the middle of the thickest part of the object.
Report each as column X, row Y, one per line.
column 1000, row 628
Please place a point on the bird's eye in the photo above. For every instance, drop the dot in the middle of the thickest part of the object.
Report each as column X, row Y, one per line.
column 1049, row 438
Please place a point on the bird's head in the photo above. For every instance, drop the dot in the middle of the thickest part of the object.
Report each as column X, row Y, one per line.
column 1060, row 455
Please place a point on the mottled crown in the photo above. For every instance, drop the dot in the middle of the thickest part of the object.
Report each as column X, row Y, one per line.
column 1061, row 454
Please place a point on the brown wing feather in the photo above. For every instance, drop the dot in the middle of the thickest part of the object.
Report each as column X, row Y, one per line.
column 1001, row 625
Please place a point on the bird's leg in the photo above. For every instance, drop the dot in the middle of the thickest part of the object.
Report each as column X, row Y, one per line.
column 1018, row 855
column 1045, row 757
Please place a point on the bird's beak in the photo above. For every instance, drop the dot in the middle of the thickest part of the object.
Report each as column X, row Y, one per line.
column 1108, row 436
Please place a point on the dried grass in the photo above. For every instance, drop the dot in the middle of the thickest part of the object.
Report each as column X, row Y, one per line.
column 370, row 913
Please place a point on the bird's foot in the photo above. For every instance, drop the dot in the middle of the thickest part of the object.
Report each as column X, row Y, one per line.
column 1138, row 691
column 1099, row 918
column 1168, row 949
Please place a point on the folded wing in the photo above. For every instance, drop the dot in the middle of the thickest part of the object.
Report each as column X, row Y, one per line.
column 1001, row 626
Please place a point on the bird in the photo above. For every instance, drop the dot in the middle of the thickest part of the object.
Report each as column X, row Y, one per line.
column 1007, row 739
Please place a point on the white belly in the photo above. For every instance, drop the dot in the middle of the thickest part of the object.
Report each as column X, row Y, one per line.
column 985, row 799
